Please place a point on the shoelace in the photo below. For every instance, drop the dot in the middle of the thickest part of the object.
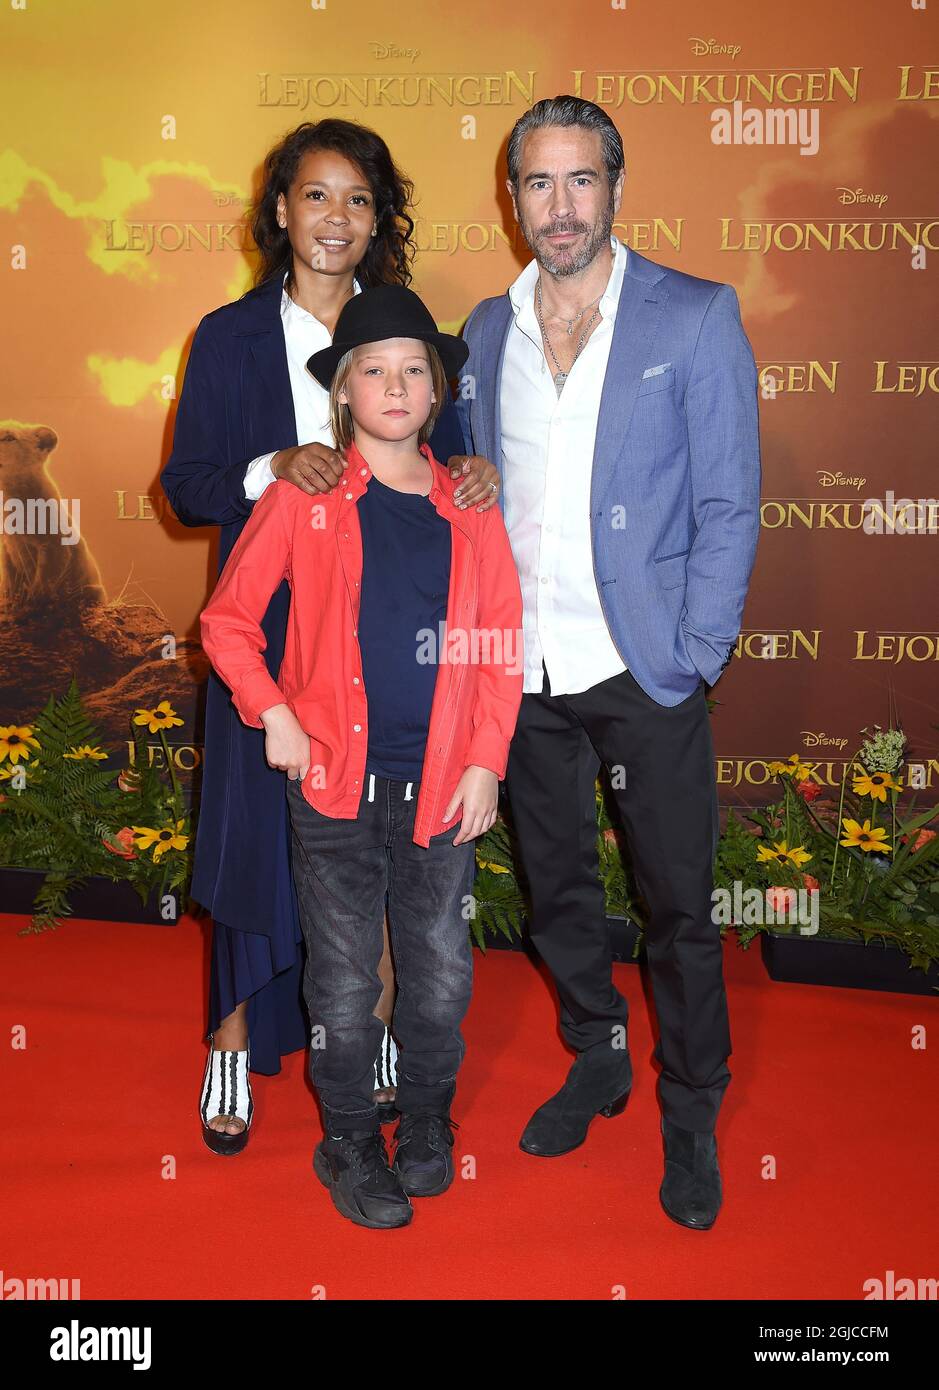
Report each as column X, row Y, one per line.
column 368, row 1155
column 408, row 1125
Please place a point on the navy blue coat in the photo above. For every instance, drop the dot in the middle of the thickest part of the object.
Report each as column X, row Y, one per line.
column 236, row 404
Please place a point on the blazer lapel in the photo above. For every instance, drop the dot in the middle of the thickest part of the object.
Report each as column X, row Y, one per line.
column 641, row 303
column 268, row 361
column 267, row 400
column 494, row 338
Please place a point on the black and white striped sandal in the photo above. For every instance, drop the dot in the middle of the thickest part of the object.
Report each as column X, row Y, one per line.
column 386, row 1075
column 226, row 1090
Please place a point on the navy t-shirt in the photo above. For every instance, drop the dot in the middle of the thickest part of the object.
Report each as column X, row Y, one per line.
column 405, row 583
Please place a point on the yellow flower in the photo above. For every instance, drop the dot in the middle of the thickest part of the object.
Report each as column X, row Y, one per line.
column 170, row 837
column 85, row 751
column 794, row 768
column 15, row 742
column 163, row 717
column 796, row 855
column 862, row 837
column 495, row 868
column 875, row 785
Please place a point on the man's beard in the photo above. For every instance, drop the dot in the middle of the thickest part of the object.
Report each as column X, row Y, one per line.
column 562, row 262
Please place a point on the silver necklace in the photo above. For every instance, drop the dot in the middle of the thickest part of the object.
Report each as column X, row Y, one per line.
column 560, row 376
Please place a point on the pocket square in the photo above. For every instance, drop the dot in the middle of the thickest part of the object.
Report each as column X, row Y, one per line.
column 656, row 371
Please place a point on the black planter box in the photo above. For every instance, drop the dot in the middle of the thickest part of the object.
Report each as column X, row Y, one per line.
column 100, row 899
column 820, row 960
column 623, row 934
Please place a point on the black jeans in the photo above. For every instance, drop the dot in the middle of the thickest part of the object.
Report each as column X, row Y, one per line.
column 662, row 761
column 345, row 872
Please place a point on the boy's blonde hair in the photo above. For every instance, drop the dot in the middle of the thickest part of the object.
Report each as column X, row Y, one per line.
column 340, row 416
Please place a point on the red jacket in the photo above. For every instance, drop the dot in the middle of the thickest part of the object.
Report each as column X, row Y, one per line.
column 315, row 541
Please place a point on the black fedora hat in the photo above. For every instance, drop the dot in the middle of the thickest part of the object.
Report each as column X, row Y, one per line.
column 385, row 311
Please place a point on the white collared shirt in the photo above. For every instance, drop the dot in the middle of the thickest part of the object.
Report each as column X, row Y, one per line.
column 547, row 456
column 304, row 334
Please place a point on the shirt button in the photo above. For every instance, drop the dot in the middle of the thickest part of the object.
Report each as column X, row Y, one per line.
column 348, row 496
column 544, row 579
column 549, row 528
column 357, row 728
column 362, row 471
column 355, row 680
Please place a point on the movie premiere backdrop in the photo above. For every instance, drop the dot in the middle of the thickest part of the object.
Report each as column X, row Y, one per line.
column 790, row 150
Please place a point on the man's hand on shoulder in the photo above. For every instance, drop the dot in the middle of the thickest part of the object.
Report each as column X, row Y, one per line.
column 314, row 468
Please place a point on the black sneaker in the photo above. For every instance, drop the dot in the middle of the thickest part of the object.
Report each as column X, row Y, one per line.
column 362, row 1185
column 422, row 1154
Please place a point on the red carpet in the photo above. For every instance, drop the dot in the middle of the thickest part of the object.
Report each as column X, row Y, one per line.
column 825, row 1081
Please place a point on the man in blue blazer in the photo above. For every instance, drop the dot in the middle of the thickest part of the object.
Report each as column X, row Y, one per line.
column 618, row 398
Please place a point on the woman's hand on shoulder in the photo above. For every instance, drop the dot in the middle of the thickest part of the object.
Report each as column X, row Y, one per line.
column 481, row 488
column 314, row 468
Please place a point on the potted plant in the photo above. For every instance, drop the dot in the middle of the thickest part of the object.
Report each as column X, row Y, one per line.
column 71, row 820
column 871, row 865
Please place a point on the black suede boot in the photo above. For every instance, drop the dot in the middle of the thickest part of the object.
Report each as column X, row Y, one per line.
column 598, row 1083
column 691, row 1189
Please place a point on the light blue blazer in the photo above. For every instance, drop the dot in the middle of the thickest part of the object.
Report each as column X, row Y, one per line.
column 675, row 474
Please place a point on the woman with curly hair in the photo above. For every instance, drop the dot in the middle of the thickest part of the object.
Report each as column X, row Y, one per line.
column 333, row 219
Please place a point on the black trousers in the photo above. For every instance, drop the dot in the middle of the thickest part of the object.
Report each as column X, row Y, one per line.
column 661, row 761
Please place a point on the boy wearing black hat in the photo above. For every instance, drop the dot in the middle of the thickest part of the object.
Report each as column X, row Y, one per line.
column 391, row 716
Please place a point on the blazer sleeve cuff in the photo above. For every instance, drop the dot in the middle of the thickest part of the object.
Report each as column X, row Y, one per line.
column 708, row 660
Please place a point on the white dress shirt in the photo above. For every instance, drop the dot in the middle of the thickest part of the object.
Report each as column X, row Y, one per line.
column 304, row 334
column 547, row 456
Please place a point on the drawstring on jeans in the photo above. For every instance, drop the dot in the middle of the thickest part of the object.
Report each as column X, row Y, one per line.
column 371, row 788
